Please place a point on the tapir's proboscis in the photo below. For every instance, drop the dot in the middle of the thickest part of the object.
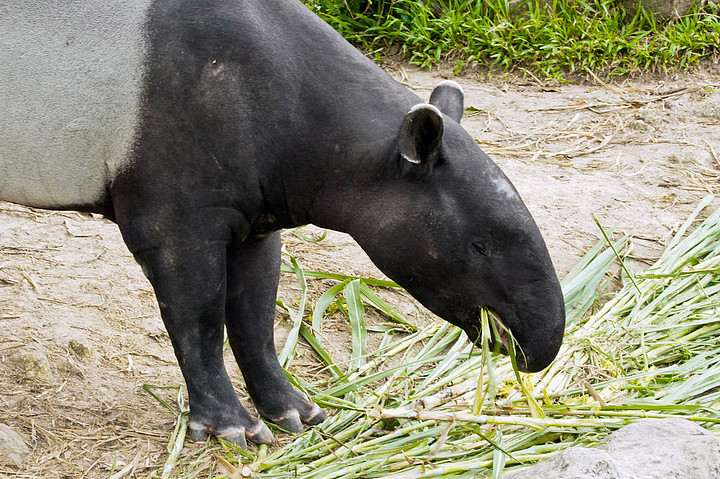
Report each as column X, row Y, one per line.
column 202, row 128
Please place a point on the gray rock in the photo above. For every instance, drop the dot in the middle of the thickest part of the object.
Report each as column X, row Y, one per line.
column 80, row 349
column 31, row 363
column 651, row 117
column 661, row 8
column 649, row 449
column 709, row 108
column 640, row 125
column 13, row 448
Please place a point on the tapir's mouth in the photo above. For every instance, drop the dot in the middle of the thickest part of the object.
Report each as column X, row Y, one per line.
column 498, row 332
column 502, row 333
column 499, row 340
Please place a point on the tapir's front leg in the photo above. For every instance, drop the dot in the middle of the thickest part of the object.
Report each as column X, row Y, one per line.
column 188, row 275
column 253, row 273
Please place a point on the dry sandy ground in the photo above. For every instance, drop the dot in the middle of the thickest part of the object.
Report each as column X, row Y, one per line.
column 80, row 328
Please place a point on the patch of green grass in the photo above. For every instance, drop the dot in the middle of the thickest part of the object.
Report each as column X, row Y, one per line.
column 562, row 38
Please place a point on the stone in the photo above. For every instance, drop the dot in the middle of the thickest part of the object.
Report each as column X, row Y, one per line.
column 80, row 349
column 663, row 9
column 651, row 116
column 640, row 125
column 649, row 449
column 13, row 448
column 709, row 108
column 32, row 363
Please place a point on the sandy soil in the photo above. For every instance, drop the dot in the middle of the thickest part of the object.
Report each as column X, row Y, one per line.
column 80, row 329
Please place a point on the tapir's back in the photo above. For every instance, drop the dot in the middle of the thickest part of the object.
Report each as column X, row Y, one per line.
column 81, row 79
column 71, row 76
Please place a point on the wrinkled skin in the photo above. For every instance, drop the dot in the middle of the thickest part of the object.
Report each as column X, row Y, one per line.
column 257, row 116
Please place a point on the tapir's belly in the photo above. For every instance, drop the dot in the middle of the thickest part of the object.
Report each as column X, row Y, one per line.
column 71, row 82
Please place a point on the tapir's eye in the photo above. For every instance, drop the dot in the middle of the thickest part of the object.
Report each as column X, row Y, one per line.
column 480, row 248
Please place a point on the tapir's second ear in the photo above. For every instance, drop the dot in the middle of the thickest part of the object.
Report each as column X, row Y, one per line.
column 449, row 97
column 420, row 136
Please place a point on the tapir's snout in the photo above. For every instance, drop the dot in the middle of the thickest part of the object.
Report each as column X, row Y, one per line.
column 531, row 359
column 533, row 355
column 536, row 333
column 541, row 344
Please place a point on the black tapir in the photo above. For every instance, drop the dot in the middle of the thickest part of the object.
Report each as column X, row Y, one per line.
column 204, row 127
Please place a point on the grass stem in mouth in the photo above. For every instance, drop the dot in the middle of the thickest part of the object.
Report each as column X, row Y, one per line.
column 482, row 394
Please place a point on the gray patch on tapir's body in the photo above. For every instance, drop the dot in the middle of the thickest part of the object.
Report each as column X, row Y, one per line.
column 71, row 75
column 504, row 188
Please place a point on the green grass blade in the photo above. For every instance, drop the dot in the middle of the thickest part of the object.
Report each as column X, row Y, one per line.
column 324, row 302
column 317, row 347
column 288, row 350
column 369, row 296
column 356, row 313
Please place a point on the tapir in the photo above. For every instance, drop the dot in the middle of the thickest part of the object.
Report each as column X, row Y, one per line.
column 202, row 128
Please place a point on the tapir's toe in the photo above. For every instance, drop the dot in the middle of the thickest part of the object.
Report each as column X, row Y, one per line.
column 260, row 434
column 197, row 432
column 316, row 416
column 309, row 412
column 294, row 420
column 235, row 436
column 290, row 422
column 292, row 413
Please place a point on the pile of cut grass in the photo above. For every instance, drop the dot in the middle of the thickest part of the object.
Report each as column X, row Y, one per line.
column 649, row 352
column 548, row 39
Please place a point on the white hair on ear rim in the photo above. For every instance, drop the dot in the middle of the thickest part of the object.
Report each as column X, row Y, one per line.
column 428, row 106
column 411, row 160
column 451, row 84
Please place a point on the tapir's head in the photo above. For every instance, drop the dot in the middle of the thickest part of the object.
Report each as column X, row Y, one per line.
column 453, row 231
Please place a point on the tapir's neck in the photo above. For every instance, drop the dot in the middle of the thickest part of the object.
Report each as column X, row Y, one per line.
column 350, row 167
column 331, row 184
column 310, row 123
column 333, row 129
column 354, row 185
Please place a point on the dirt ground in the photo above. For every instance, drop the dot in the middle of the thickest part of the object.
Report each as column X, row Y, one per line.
column 80, row 327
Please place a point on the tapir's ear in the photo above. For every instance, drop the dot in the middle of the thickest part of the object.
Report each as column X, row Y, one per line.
column 420, row 135
column 449, row 97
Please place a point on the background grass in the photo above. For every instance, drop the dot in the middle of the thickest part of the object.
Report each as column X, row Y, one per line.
column 555, row 41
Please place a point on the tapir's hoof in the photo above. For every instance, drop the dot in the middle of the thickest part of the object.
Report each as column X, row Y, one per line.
column 291, row 422
column 316, row 417
column 197, row 432
column 259, row 434
column 295, row 421
column 235, row 436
